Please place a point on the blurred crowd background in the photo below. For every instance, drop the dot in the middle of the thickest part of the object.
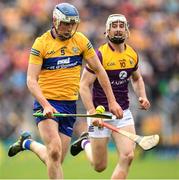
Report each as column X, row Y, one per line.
column 154, row 28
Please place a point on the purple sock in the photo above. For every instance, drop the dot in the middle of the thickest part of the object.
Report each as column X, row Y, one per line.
column 84, row 143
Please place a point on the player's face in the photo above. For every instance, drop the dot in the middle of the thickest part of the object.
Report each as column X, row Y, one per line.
column 66, row 29
column 117, row 29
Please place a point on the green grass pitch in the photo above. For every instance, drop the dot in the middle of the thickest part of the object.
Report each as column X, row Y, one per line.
column 27, row 166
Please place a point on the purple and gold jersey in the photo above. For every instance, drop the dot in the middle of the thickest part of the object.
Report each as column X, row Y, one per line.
column 119, row 67
column 61, row 64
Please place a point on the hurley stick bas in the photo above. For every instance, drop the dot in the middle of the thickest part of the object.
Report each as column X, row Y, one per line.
column 145, row 142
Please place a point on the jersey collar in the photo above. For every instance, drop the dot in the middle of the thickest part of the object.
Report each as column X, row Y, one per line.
column 113, row 48
column 52, row 33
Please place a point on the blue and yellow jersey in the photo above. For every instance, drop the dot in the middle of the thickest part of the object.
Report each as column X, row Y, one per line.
column 119, row 67
column 61, row 64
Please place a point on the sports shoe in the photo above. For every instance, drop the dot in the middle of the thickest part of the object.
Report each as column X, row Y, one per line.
column 76, row 146
column 17, row 146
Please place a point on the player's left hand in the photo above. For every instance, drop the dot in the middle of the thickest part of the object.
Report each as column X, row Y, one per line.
column 144, row 103
column 98, row 122
column 116, row 109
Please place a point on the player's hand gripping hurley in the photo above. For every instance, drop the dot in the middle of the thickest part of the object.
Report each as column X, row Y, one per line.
column 145, row 142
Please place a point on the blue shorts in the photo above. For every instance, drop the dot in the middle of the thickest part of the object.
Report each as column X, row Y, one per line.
column 65, row 124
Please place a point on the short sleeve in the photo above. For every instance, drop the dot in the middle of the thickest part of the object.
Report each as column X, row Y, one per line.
column 137, row 62
column 86, row 46
column 36, row 52
column 100, row 59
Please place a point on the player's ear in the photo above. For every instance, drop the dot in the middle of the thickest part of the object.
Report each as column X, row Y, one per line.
column 106, row 33
column 127, row 34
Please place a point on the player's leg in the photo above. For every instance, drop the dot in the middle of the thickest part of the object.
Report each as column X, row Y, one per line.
column 125, row 146
column 39, row 149
column 80, row 126
column 80, row 130
column 51, row 153
column 17, row 147
column 49, row 133
column 65, row 144
column 95, row 146
column 58, row 137
column 25, row 142
column 96, row 152
column 95, row 149
column 125, row 149
column 65, row 127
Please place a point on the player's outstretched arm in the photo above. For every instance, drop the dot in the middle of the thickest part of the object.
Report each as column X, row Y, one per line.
column 103, row 79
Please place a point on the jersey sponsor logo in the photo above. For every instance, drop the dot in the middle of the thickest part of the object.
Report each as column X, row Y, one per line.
column 122, row 79
column 119, row 82
column 62, row 66
column 123, row 75
column 50, row 52
column 63, row 61
column 111, row 64
column 35, row 52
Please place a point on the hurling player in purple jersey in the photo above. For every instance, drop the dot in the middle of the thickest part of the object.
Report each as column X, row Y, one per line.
column 121, row 64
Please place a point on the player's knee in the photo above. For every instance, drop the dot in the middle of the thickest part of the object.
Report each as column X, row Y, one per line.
column 99, row 167
column 55, row 153
column 128, row 157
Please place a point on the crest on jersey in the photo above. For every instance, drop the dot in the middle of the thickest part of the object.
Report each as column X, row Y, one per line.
column 75, row 50
column 122, row 74
column 131, row 61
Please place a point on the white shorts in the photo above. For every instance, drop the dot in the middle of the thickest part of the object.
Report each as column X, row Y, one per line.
column 96, row 132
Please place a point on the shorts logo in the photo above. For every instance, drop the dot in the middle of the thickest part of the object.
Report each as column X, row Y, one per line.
column 122, row 74
column 69, row 128
column 91, row 128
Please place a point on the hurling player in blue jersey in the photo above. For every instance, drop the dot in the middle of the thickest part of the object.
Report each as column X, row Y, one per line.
column 53, row 78
column 121, row 64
